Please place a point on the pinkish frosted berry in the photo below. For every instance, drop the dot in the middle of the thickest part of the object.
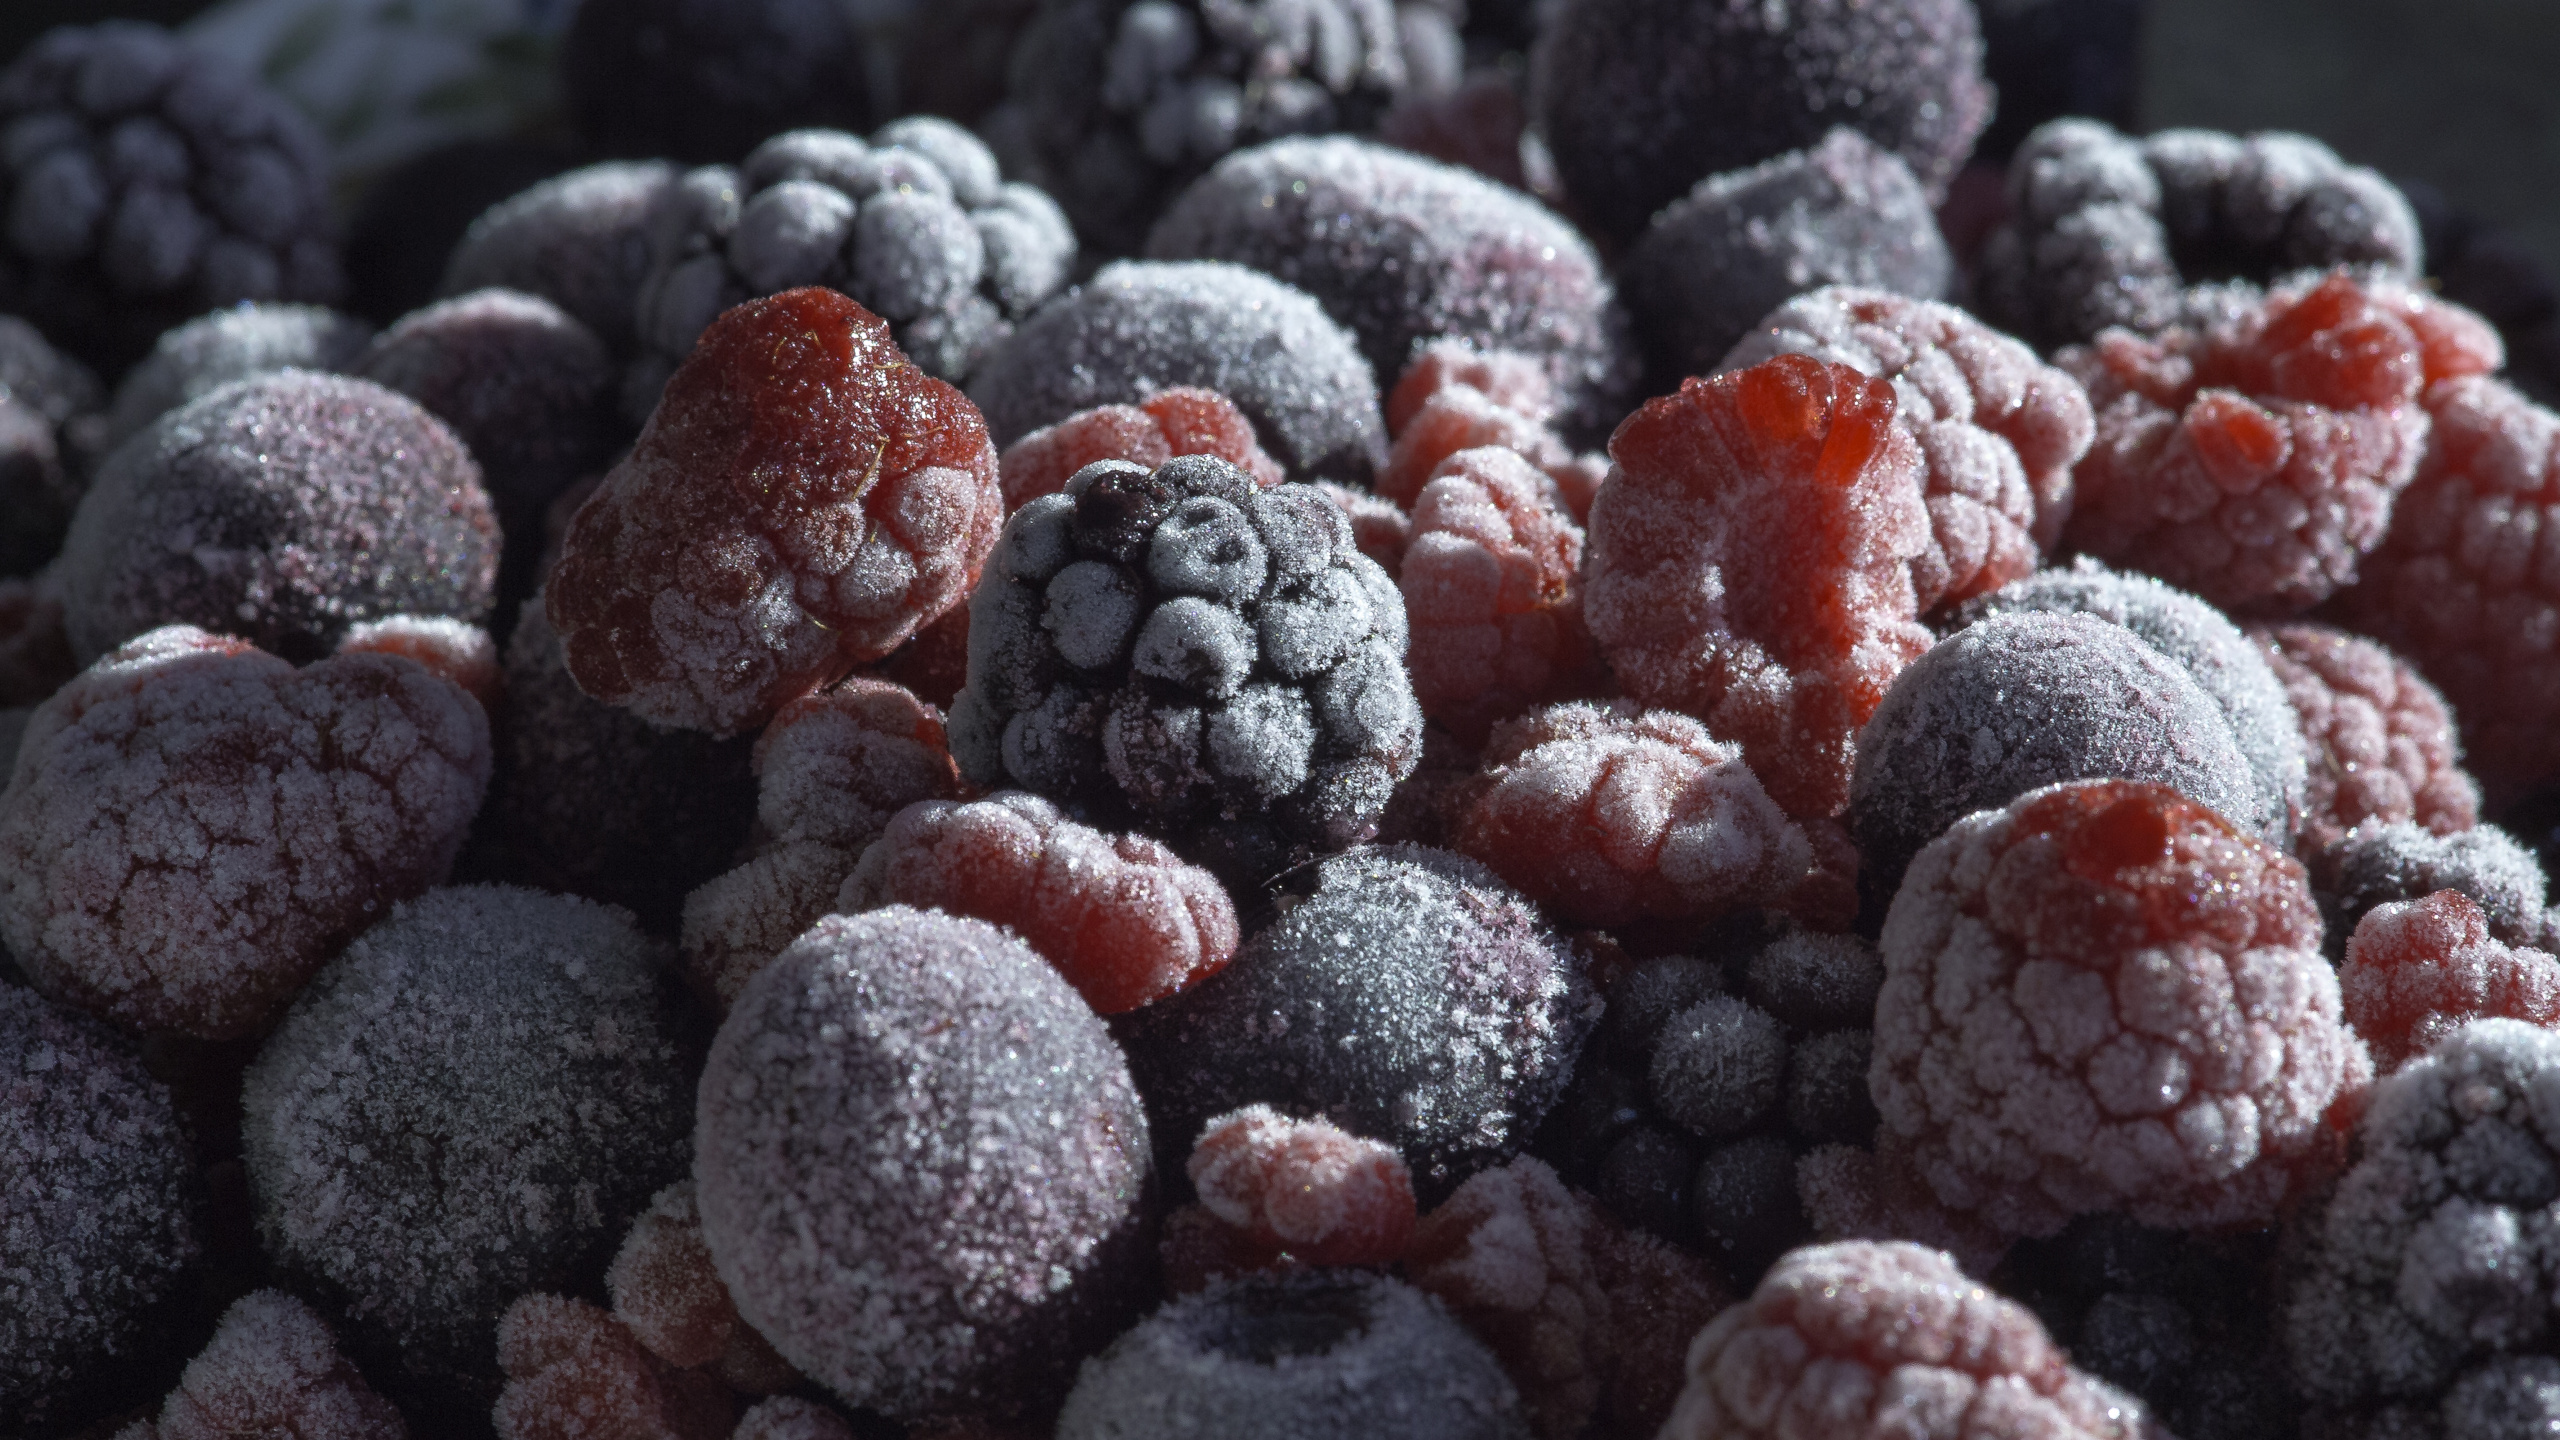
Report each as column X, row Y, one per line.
column 460, row 652
column 1308, row 1188
column 574, row 1373
column 194, row 826
column 787, row 1417
column 1185, row 420
column 2379, row 739
column 669, row 1295
column 1455, row 396
column 2418, row 970
column 273, row 1369
column 1877, row 1339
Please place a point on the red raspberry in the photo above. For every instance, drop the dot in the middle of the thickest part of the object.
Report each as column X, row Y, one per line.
column 1380, row 528
column 1185, row 420
column 1610, row 815
column 1750, row 564
column 1305, row 1190
column 2106, row 997
column 1509, row 379
column 1455, row 397
column 1999, row 430
column 667, row 1294
column 2256, row 463
column 457, row 650
column 272, row 1368
column 574, row 1373
column 935, row 664
column 803, row 500
column 1874, row 1339
column 1492, row 582
column 1123, row 918
column 2416, row 970
column 2380, row 740
column 2460, row 586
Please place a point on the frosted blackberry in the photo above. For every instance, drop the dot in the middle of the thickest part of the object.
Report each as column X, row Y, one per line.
column 1139, row 327
column 1641, row 99
column 47, row 408
column 1402, row 250
column 2110, row 230
column 1843, row 212
column 473, row 1101
column 1181, row 83
column 1182, row 652
column 701, row 80
column 1316, row 1354
column 146, row 181
column 580, row 241
column 915, row 223
column 1413, row 998
column 211, row 351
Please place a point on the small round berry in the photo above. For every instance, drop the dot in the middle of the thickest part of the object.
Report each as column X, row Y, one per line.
column 579, row 240
column 193, row 360
column 1718, row 1067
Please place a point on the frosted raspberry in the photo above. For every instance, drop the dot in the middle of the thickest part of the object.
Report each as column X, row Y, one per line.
column 1492, row 581
column 669, row 1295
column 1998, row 429
column 1185, row 420
column 2256, row 462
column 1455, row 396
column 2401, row 861
column 2106, row 997
column 1123, row 918
column 1611, row 814
column 2456, row 586
column 802, row 501
column 2417, row 970
column 831, row 770
column 1750, row 564
column 2380, row 741
column 460, row 652
column 574, row 1373
column 786, row 1417
column 1380, row 528
column 935, row 664
column 272, row 1368
column 1306, row 1187
column 194, row 825
column 1862, row 1338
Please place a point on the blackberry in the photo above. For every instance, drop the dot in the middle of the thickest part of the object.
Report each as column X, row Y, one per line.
column 1182, row 652
column 212, row 350
column 1140, row 327
column 1402, row 250
column 1182, row 83
column 916, row 223
column 1844, row 212
column 144, row 182
column 1641, row 99
column 2109, row 230
column 580, row 241
column 701, row 80
column 47, row 406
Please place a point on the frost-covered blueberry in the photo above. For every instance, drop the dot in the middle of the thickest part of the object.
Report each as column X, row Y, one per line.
column 579, row 240
column 192, row 360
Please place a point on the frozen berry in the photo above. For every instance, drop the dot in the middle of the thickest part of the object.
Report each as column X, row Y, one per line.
column 273, row 1368
column 1402, row 250
column 194, row 827
column 2379, row 739
column 2417, row 970
column 463, row 654
column 1455, row 396
column 1853, row 1192
column 1998, row 430
column 1815, row 982
column 147, row 180
column 1717, row 1067
column 96, row 1222
column 1479, row 124
column 787, row 1417
column 580, row 241
column 1184, row 420
column 1304, row 1187
column 920, row 1165
column 702, row 80
column 2455, row 586
column 193, row 360
column 1827, row 1097
column 2398, row 861
column 1183, row 652
column 1139, row 327
column 1641, row 99
column 915, row 224
column 2145, row 1022
column 1113, row 106
column 573, row 1373
column 48, row 405
column 1120, row 916
column 283, row 509
column 1492, row 582
column 1413, row 998
column 2256, row 462
column 1743, row 1206
column 471, row 1102
column 1865, row 1338
column 1311, row 1353
column 592, row 800
column 1844, row 212
column 669, row 1295
column 2109, row 230
column 1380, row 529
column 2025, row 700
column 2223, row 661
column 803, row 501
column 1750, row 564
column 2412, row 1283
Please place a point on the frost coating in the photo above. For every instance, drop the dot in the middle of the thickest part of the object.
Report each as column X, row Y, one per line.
column 465, row 1106
column 579, row 240
column 206, row 353
column 273, row 1368
column 2416, row 971
column 1306, row 1188
column 193, row 826
column 2378, row 738
column 573, row 1373
column 1456, row 396
column 1185, row 420
column 2105, row 997
column 668, row 1294
column 919, row 1162
column 2378, row 864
